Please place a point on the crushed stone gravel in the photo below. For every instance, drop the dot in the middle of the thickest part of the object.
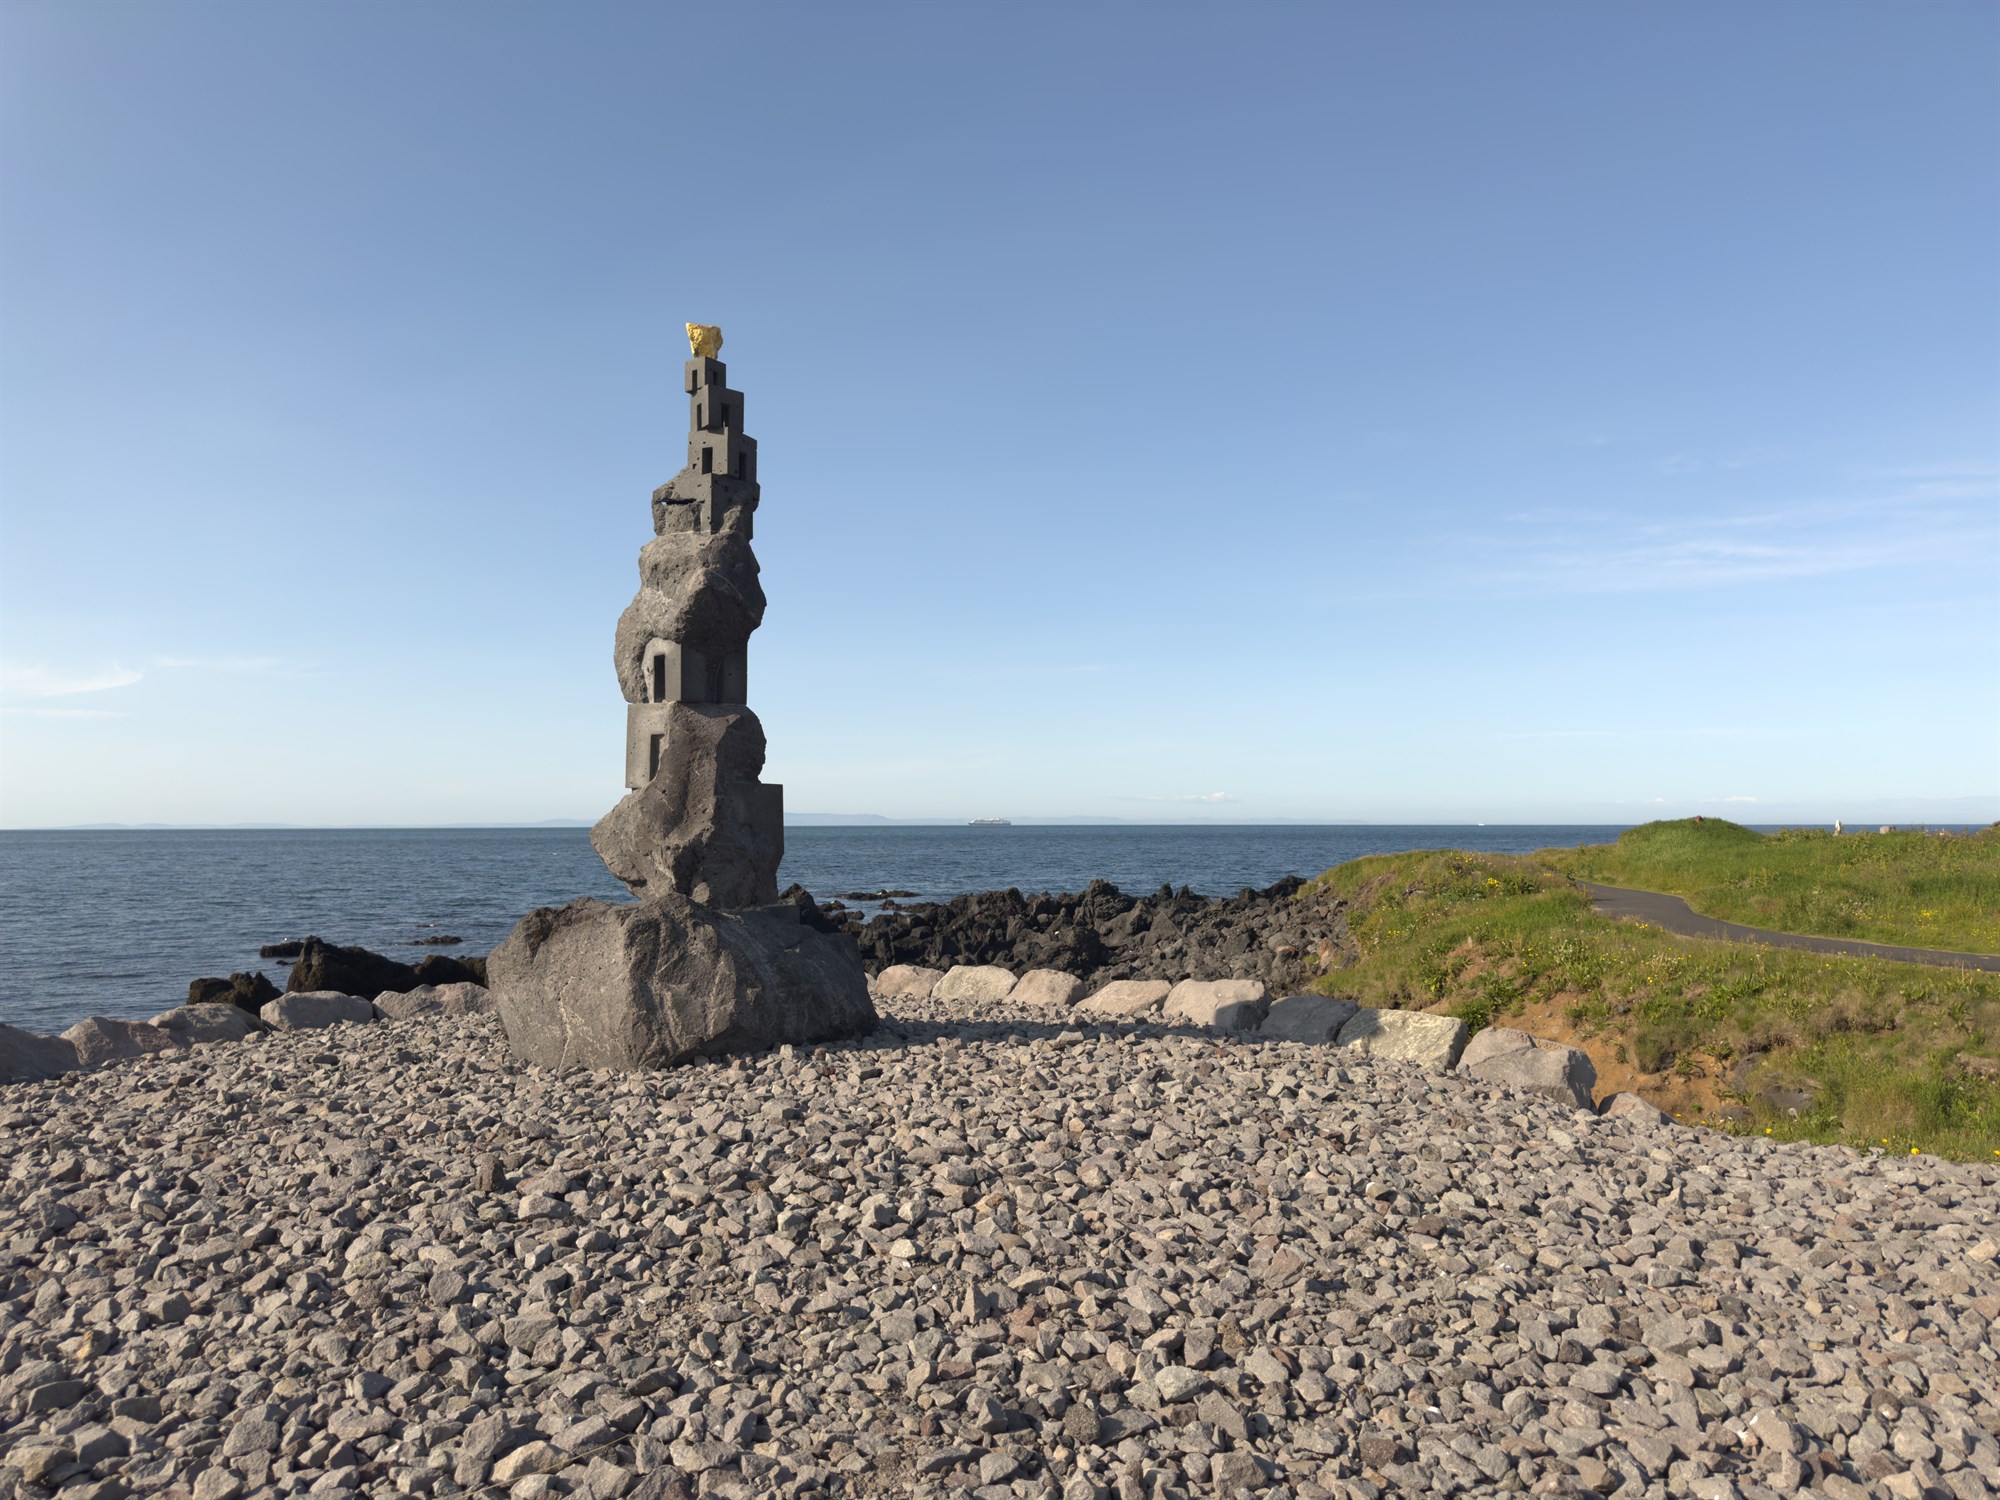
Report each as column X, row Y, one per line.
column 982, row 1251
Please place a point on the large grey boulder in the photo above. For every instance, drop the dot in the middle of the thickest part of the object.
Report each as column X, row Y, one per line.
column 435, row 1000
column 314, row 1009
column 703, row 827
column 1500, row 1054
column 1129, row 997
column 206, row 1022
column 978, row 984
column 26, row 1057
column 1047, row 989
column 1307, row 1018
column 104, row 1039
column 1221, row 1004
column 595, row 985
column 1405, row 1036
column 906, row 982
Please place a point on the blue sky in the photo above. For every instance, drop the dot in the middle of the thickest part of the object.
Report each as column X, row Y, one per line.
column 1425, row 412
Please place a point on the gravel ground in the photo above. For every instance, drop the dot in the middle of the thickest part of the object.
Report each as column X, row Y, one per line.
column 985, row 1254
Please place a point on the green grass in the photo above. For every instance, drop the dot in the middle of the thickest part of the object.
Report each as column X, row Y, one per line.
column 1913, row 888
column 1888, row 1055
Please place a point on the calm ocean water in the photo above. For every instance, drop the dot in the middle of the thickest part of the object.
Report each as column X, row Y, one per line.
column 116, row 923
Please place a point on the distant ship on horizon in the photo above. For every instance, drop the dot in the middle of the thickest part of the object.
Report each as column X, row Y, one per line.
column 990, row 823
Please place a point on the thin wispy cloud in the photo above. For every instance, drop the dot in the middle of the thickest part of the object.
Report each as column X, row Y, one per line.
column 1972, row 469
column 47, row 682
column 219, row 663
column 1642, row 731
column 67, row 713
column 1932, row 522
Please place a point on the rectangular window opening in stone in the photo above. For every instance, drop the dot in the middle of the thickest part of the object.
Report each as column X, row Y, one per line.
column 708, row 460
column 653, row 757
column 660, row 678
column 697, row 415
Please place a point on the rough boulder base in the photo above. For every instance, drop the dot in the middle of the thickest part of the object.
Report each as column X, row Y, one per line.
column 1129, row 997
column 1220, row 1004
column 647, row 986
column 1049, row 988
column 978, row 983
column 1500, row 1054
column 26, row 1057
column 1307, row 1018
column 1405, row 1036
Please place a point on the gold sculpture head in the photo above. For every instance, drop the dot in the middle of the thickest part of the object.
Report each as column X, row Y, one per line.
column 705, row 339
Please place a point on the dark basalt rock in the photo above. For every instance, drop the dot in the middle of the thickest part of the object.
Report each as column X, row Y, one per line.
column 247, row 992
column 438, row 969
column 809, row 910
column 595, row 985
column 442, row 940
column 1286, row 935
column 290, row 948
column 350, row 971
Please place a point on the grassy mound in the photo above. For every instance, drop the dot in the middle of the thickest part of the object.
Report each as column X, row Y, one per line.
column 1914, row 888
column 1740, row 1036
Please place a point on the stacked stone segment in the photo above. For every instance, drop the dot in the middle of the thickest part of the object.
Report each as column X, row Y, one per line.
column 698, row 820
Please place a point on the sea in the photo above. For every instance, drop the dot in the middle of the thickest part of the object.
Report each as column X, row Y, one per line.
column 116, row 922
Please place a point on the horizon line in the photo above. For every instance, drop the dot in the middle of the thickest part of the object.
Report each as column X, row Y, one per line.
column 853, row 821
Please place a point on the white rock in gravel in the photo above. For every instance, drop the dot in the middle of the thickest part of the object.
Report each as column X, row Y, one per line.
column 310, row 1009
column 1221, row 1004
column 1047, row 987
column 1500, row 1054
column 463, row 998
column 906, row 982
column 101, row 1039
column 1307, row 1018
column 26, row 1057
column 1129, row 997
column 1405, row 1036
column 1632, row 1107
column 206, row 1023
column 982, row 984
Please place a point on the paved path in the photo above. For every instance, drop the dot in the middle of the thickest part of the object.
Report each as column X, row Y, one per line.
column 1675, row 915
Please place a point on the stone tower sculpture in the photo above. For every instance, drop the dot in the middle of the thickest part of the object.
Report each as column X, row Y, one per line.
column 697, row 819
column 709, row 959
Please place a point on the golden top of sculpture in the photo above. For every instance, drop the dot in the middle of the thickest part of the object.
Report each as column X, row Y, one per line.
column 705, row 339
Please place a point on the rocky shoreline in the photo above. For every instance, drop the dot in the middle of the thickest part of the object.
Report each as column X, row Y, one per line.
column 990, row 1248
column 1276, row 935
